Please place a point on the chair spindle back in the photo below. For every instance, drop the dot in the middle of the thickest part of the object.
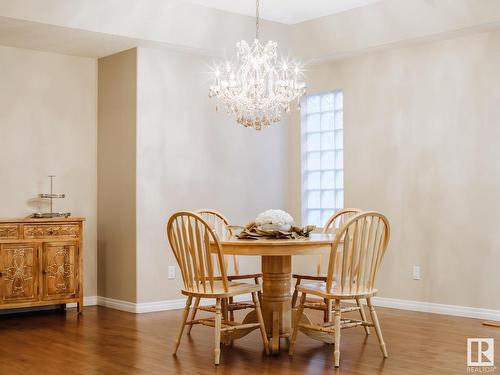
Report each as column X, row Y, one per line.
column 361, row 244
column 193, row 243
column 218, row 222
column 340, row 217
column 333, row 225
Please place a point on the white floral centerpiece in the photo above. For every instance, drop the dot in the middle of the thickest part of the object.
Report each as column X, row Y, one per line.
column 274, row 220
column 276, row 224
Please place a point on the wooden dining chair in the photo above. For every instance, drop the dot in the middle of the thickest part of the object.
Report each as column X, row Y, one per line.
column 358, row 249
column 332, row 225
column 219, row 224
column 193, row 242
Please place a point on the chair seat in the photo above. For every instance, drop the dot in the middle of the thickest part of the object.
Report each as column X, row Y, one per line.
column 235, row 288
column 319, row 289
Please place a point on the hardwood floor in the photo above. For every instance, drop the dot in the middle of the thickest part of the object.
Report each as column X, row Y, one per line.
column 106, row 341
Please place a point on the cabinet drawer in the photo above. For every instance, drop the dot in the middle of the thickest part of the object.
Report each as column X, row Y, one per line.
column 41, row 231
column 9, row 232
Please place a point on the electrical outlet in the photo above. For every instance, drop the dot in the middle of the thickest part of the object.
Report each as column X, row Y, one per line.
column 171, row 272
column 416, row 273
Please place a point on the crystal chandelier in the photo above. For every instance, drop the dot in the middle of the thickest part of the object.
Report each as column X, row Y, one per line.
column 261, row 87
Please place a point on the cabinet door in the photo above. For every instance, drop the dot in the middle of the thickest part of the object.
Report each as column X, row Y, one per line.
column 18, row 267
column 60, row 270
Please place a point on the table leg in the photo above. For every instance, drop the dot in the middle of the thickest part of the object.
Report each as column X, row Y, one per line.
column 276, row 298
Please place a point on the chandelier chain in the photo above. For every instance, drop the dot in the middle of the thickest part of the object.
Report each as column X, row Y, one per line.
column 257, row 19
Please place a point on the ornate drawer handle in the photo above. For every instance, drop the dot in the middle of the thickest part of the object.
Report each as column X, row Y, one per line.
column 1, row 274
column 44, row 272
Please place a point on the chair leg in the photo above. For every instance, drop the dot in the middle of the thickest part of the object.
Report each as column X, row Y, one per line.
column 183, row 323
column 260, row 319
column 218, row 324
column 295, row 294
column 259, row 293
column 225, row 309
column 377, row 327
column 193, row 313
column 336, row 353
column 363, row 315
column 296, row 324
column 327, row 314
column 294, row 297
column 231, row 313
column 225, row 315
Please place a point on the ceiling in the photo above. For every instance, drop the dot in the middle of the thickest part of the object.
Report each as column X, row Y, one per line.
column 284, row 11
column 69, row 41
column 84, row 28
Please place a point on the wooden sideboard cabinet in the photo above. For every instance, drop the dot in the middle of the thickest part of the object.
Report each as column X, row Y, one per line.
column 41, row 262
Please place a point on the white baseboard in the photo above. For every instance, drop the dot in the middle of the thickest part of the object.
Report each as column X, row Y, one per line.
column 146, row 307
column 428, row 307
column 437, row 308
column 116, row 304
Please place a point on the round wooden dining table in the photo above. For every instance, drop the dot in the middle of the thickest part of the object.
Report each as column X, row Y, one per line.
column 276, row 270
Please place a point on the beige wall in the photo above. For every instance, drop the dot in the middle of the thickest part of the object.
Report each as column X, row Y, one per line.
column 48, row 126
column 390, row 23
column 116, row 176
column 189, row 157
column 421, row 146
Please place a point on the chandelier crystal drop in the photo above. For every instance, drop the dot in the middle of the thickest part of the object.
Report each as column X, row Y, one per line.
column 261, row 87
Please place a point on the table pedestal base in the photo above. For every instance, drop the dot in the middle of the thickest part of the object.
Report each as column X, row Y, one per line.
column 276, row 298
column 251, row 317
column 277, row 305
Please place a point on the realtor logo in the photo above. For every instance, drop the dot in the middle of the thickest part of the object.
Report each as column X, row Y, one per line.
column 480, row 352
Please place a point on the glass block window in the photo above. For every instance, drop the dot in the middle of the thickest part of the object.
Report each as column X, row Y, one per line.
column 322, row 156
